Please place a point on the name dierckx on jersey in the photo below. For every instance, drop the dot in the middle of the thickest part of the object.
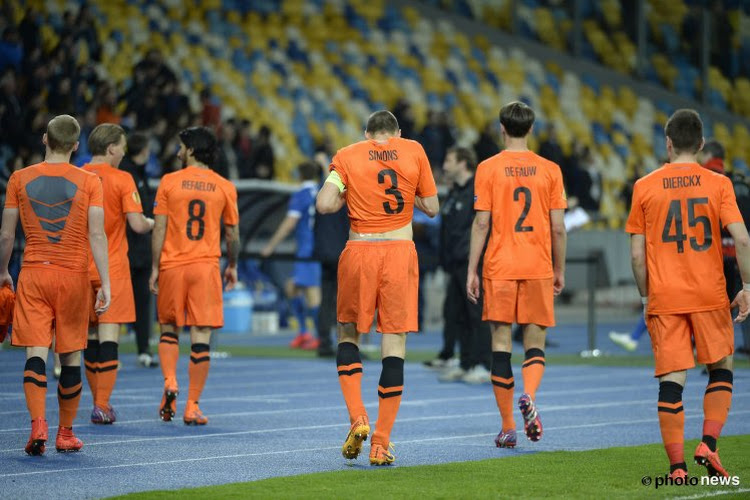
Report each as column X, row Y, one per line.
column 681, row 181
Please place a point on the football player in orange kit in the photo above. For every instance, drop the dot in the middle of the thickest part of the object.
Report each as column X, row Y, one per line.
column 675, row 222
column 189, row 209
column 381, row 179
column 519, row 197
column 121, row 205
column 61, row 212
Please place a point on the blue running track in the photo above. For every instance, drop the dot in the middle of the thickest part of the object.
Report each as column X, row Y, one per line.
column 284, row 417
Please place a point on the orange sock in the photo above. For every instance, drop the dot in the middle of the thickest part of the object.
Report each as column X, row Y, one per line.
column 69, row 394
column 390, row 387
column 91, row 362
column 349, row 365
column 672, row 423
column 532, row 371
column 716, row 403
column 200, row 361
column 502, row 385
column 169, row 352
column 35, row 386
column 107, row 373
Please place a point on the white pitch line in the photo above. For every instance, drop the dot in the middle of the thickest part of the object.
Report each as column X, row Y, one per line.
column 713, row 494
column 418, row 402
column 421, row 402
column 280, row 452
column 403, row 420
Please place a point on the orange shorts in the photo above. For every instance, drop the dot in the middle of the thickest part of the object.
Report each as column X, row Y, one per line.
column 519, row 301
column 52, row 304
column 121, row 308
column 672, row 338
column 382, row 275
column 190, row 295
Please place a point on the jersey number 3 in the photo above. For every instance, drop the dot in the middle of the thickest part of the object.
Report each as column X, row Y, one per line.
column 196, row 226
column 674, row 217
column 393, row 191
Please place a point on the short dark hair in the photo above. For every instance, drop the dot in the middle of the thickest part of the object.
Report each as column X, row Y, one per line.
column 714, row 149
column 466, row 155
column 103, row 136
column 137, row 142
column 382, row 121
column 63, row 132
column 309, row 171
column 203, row 143
column 517, row 118
column 685, row 129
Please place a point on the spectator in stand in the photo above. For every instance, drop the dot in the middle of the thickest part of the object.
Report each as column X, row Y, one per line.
column 585, row 180
column 243, row 148
column 405, row 116
column 436, row 138
column 11, row 49
column 263, row 157
column 486, row 146
column 29, row 30
column 107, row 110
column 228, row 153
column 550, row 149
column 210, row 111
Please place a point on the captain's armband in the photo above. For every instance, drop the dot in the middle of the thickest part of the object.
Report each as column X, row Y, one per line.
column 335, row 179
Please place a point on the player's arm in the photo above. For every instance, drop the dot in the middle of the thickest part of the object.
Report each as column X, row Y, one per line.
column 742, row 247
column 285, row 229
column 559, row 247
column 479, row 229
column 140, row 223
column 232, row 237
column 331, row 196
column 157, row 243
column 429, row 205
column 638, row 263
column 7, row 238
column 98, row 243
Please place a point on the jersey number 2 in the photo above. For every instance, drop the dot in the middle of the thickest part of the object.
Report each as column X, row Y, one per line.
column 520, row 228
column 196, row 226
column 674, row 216
column 393, row 191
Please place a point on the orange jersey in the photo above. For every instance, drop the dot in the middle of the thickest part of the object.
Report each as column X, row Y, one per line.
column 519, row 189
column 53, row 201
column 382, row 180
column 120, row 198
column 195, row 200
column 681, row 208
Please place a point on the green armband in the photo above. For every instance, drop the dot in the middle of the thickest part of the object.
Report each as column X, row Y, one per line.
column 335, row 179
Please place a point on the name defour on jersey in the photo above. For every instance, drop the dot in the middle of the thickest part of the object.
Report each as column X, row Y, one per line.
column 198, row 185
column 520, row 171
column 681, row 181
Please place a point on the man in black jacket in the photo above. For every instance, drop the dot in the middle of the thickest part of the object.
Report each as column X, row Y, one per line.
column 331, row 234
column 139, row 247
column 463, row 320
column 712, row 157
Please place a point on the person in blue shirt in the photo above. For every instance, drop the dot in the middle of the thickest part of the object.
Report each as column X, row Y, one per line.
column 303, row 290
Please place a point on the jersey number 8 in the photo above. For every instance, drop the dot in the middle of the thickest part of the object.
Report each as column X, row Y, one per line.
column 196, row 226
